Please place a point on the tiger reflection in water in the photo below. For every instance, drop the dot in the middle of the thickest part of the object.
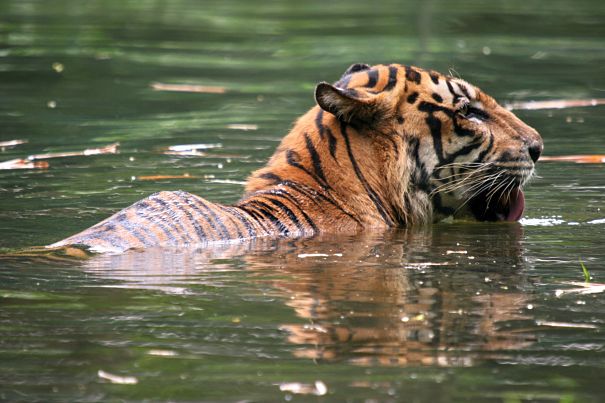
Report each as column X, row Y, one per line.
column 401, row 298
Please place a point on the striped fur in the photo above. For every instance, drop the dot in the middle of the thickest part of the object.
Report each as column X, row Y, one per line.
column 387, row 145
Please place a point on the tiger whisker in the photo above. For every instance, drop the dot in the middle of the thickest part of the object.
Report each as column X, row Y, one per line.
column 479, row 190
column 460, row 180
column 470, row 181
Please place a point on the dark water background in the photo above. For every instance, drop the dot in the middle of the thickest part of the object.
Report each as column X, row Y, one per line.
column 452, row 312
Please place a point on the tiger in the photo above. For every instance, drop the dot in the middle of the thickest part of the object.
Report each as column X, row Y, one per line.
column 385, row 146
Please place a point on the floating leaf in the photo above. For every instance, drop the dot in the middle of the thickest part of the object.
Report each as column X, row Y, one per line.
column 204, row 89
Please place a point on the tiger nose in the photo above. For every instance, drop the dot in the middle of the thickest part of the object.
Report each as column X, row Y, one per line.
column 535, row 149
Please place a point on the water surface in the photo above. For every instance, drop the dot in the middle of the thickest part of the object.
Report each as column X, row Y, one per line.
column 455, row 311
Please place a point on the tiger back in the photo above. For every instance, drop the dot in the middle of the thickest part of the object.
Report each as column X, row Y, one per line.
column 386, row 145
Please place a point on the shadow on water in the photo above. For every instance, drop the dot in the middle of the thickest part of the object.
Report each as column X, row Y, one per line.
column 422, row 297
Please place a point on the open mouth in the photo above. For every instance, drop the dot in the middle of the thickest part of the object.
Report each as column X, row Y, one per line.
column 503, row 206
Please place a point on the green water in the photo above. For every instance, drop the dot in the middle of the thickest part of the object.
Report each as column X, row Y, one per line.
column 453, row 312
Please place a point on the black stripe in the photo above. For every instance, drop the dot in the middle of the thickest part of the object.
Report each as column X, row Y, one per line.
column 432, row 108
column 319, row 123
column 371, row 193
column 130, row 227
column 435, row 128
column 392, row 79
column 201, row 234
column 487, row 150
column 293, row 158
column 323, row 130
column 372, row 79
column 315, row 158
column 437, row 97
column 266, row 210
column 412, row 97
column 194, row 205
column 287, row 211
column 331, row 142
column 252, row 212
column 456, row 96
column 183, row 233
column 421, row 175
column 216, row 217
column 153, row 217
column 227, row 213
column 244, row 220
column 463, row 151
column 412, row 75
column 313, row 195
column 284, row 195
column 434, row 77
column 462, row 131
column 302, row 211
column 464, row 90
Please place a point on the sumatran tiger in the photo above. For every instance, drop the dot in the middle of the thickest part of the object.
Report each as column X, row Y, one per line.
column 385, row 146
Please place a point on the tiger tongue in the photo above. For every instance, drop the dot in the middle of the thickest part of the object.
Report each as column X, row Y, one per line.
column 512, row 210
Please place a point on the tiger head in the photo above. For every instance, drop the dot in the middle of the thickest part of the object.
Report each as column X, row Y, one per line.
column 460, row 152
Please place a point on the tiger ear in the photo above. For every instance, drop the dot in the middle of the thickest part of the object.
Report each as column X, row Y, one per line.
column 347, row 104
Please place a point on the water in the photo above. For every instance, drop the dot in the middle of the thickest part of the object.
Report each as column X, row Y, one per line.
column 458, row 311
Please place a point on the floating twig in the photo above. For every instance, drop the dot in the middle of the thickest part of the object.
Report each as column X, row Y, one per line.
column 35, row 161
column 204, row 89
column 578, row 159
column 11, row 143
column 21, row 163
column 582, row 288
column 191, row 149
column 568, row 325
column 161, row 177
column 246, row 127
column 554, row 104
column 109, row 149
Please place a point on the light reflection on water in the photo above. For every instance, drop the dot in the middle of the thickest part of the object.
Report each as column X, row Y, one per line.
column 399, row 298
